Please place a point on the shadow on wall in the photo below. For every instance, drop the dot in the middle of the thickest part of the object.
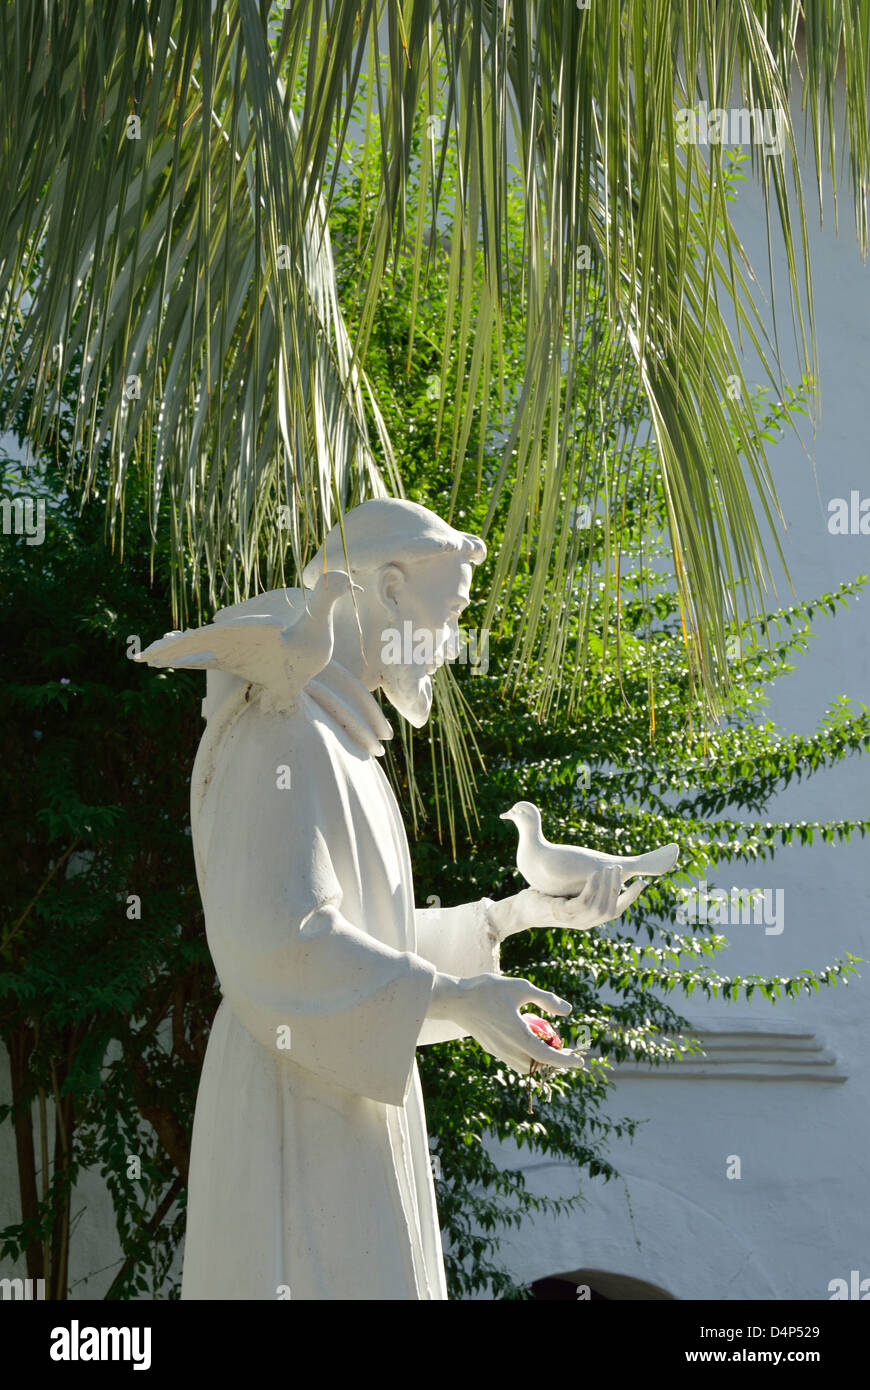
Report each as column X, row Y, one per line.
column 596, row 1286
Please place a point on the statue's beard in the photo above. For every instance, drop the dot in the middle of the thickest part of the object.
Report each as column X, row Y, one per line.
column 409, row 689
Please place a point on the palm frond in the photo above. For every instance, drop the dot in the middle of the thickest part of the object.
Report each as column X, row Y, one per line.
column 164, row 237
column 162, row 245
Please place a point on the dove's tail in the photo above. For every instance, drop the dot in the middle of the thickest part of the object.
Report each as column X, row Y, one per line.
column 657, row 861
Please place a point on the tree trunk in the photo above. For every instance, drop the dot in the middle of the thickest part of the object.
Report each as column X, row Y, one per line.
column 20, row 1043
column 64, row 1121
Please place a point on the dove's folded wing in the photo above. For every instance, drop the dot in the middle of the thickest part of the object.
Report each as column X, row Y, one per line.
column 251, row 647
column 279, row 650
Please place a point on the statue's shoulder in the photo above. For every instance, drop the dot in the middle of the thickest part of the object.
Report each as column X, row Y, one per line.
column 251, row 711
column 247, row 743
column 319, row 725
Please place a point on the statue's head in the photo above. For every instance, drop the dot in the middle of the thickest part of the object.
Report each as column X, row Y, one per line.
column 415, row 575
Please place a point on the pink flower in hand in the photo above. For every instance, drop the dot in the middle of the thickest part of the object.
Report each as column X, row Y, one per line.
column 547, row 1033
column 544, row 1030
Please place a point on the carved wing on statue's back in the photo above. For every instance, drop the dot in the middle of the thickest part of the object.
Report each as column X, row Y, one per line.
column 280, row 651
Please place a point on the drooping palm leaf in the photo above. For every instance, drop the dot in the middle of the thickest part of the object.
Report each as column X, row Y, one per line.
column 195, row 258
column 183, row 272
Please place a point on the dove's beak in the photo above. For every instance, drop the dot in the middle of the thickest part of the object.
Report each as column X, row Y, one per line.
column 506, row 815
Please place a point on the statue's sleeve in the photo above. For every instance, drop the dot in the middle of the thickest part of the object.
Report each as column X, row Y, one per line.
column 457, row 941
column 292, row 967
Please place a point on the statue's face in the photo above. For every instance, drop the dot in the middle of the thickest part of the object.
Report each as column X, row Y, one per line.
column 418, row 606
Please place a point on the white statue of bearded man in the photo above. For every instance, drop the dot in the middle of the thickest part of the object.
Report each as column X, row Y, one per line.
column 310, row 1174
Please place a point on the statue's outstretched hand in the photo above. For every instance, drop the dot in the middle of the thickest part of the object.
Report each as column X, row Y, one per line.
column 487, row 1007
column 603, row 898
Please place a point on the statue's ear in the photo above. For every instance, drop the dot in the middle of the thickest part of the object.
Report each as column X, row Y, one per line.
column 391, row 582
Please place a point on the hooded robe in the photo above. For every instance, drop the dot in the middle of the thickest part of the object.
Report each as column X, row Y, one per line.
column 310, row 1173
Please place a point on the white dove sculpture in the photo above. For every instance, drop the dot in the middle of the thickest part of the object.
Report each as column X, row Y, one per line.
column 280, row 653
column 561, row 871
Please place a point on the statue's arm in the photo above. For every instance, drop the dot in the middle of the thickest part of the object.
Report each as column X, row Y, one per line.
column 311, row 987
column 466, row 941
column 458, row 941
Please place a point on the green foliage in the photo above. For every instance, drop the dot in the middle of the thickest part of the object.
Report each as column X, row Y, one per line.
column 104, row 1013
